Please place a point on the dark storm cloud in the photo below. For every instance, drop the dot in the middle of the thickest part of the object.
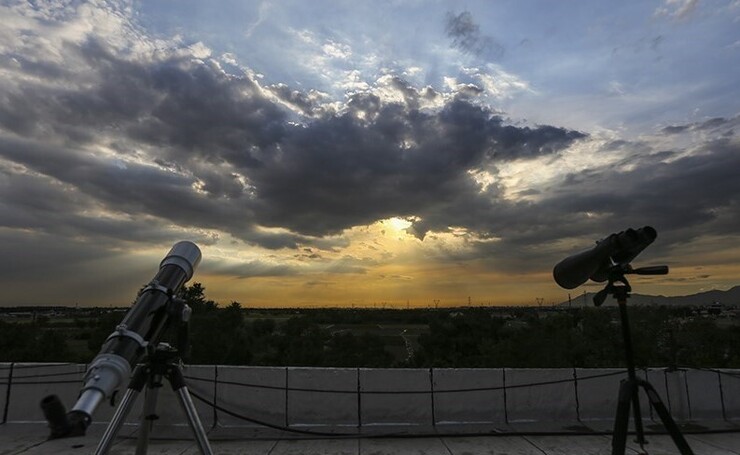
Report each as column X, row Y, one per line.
column 413, row 98
column 124, row 186
column 305, row 103
column 44, row 205
column 341, row 171
column 468, row 91
column 203, row 149
column 223, row 155
column 151, row 197
column 466, row 36
column 176, row 141
column 173, row 103
column 684, row 198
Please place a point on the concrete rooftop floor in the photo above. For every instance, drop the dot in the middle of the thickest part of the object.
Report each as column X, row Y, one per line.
column 30, row 439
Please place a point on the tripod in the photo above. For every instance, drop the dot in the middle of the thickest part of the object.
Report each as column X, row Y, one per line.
column 162, row 362
column 620, row 288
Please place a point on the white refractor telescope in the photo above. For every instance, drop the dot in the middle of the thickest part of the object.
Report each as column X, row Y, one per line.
column 141, row 328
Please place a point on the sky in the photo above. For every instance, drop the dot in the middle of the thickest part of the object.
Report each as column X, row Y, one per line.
column 364, row 153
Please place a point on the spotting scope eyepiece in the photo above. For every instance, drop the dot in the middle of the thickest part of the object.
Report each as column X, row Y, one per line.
column 616, row 249
column 141, row 327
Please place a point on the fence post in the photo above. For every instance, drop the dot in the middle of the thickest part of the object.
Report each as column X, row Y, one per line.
column 215, row 395
column 287, row 422
column 575, row 387
column 359, row 401
column 7, row 392
column 431, row 391
column 688, row 396
column 506, row 406
column 721, row 395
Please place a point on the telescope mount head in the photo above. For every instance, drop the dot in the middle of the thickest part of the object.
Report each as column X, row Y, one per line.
column 617, row 284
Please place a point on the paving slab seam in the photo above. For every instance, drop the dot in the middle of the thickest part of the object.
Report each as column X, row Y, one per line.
column 269, row 452
column 26, row 449
column 446, row 446
column 712, row 444
column 534, row 445
column 609, row 438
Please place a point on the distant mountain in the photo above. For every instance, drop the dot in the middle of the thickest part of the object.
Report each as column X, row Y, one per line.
column 729, row 297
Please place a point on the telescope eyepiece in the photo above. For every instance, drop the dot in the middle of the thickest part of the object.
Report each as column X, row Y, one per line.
column 56, row 415
column 62, row 423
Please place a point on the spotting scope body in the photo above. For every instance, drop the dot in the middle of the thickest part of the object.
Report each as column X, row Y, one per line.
column 616, row 249
column 143, row 325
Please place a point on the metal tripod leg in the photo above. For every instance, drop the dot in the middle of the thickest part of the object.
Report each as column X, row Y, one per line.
column 149, row 414
column 151, row 375
column 124, row 407
column 637, row 413
column 627, row 390
column 188, row 407
column 620, row 288
column 666, row 418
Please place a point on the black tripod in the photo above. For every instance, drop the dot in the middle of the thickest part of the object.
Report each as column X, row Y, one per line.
column 620, row 288
column 163, row 362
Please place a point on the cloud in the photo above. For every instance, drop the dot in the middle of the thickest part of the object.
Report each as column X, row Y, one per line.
column 685, row 196
column 345, row 170
column 467, row 37
column 261, row 13
column 138, row 142
column 49, row 269
column 712, row 124
column 497, row 82
column 677, row 9
column 308, row 104
column 253, row 269
column 174, row 137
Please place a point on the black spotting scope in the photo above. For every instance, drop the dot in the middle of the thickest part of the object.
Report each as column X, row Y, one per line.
column 142, row 326
column 615, row 250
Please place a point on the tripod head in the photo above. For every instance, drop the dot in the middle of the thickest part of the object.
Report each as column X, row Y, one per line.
column 619, row 287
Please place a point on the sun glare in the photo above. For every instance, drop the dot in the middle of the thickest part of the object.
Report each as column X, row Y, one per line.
column 398, row 224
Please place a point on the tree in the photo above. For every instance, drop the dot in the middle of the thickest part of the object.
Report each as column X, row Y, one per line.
column 219, row 336
column 194, row 296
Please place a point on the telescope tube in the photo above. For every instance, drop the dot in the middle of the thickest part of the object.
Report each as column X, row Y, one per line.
column 142, row 326
column 616, row 249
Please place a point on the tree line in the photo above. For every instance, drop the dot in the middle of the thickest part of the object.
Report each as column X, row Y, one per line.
column 470, row 337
